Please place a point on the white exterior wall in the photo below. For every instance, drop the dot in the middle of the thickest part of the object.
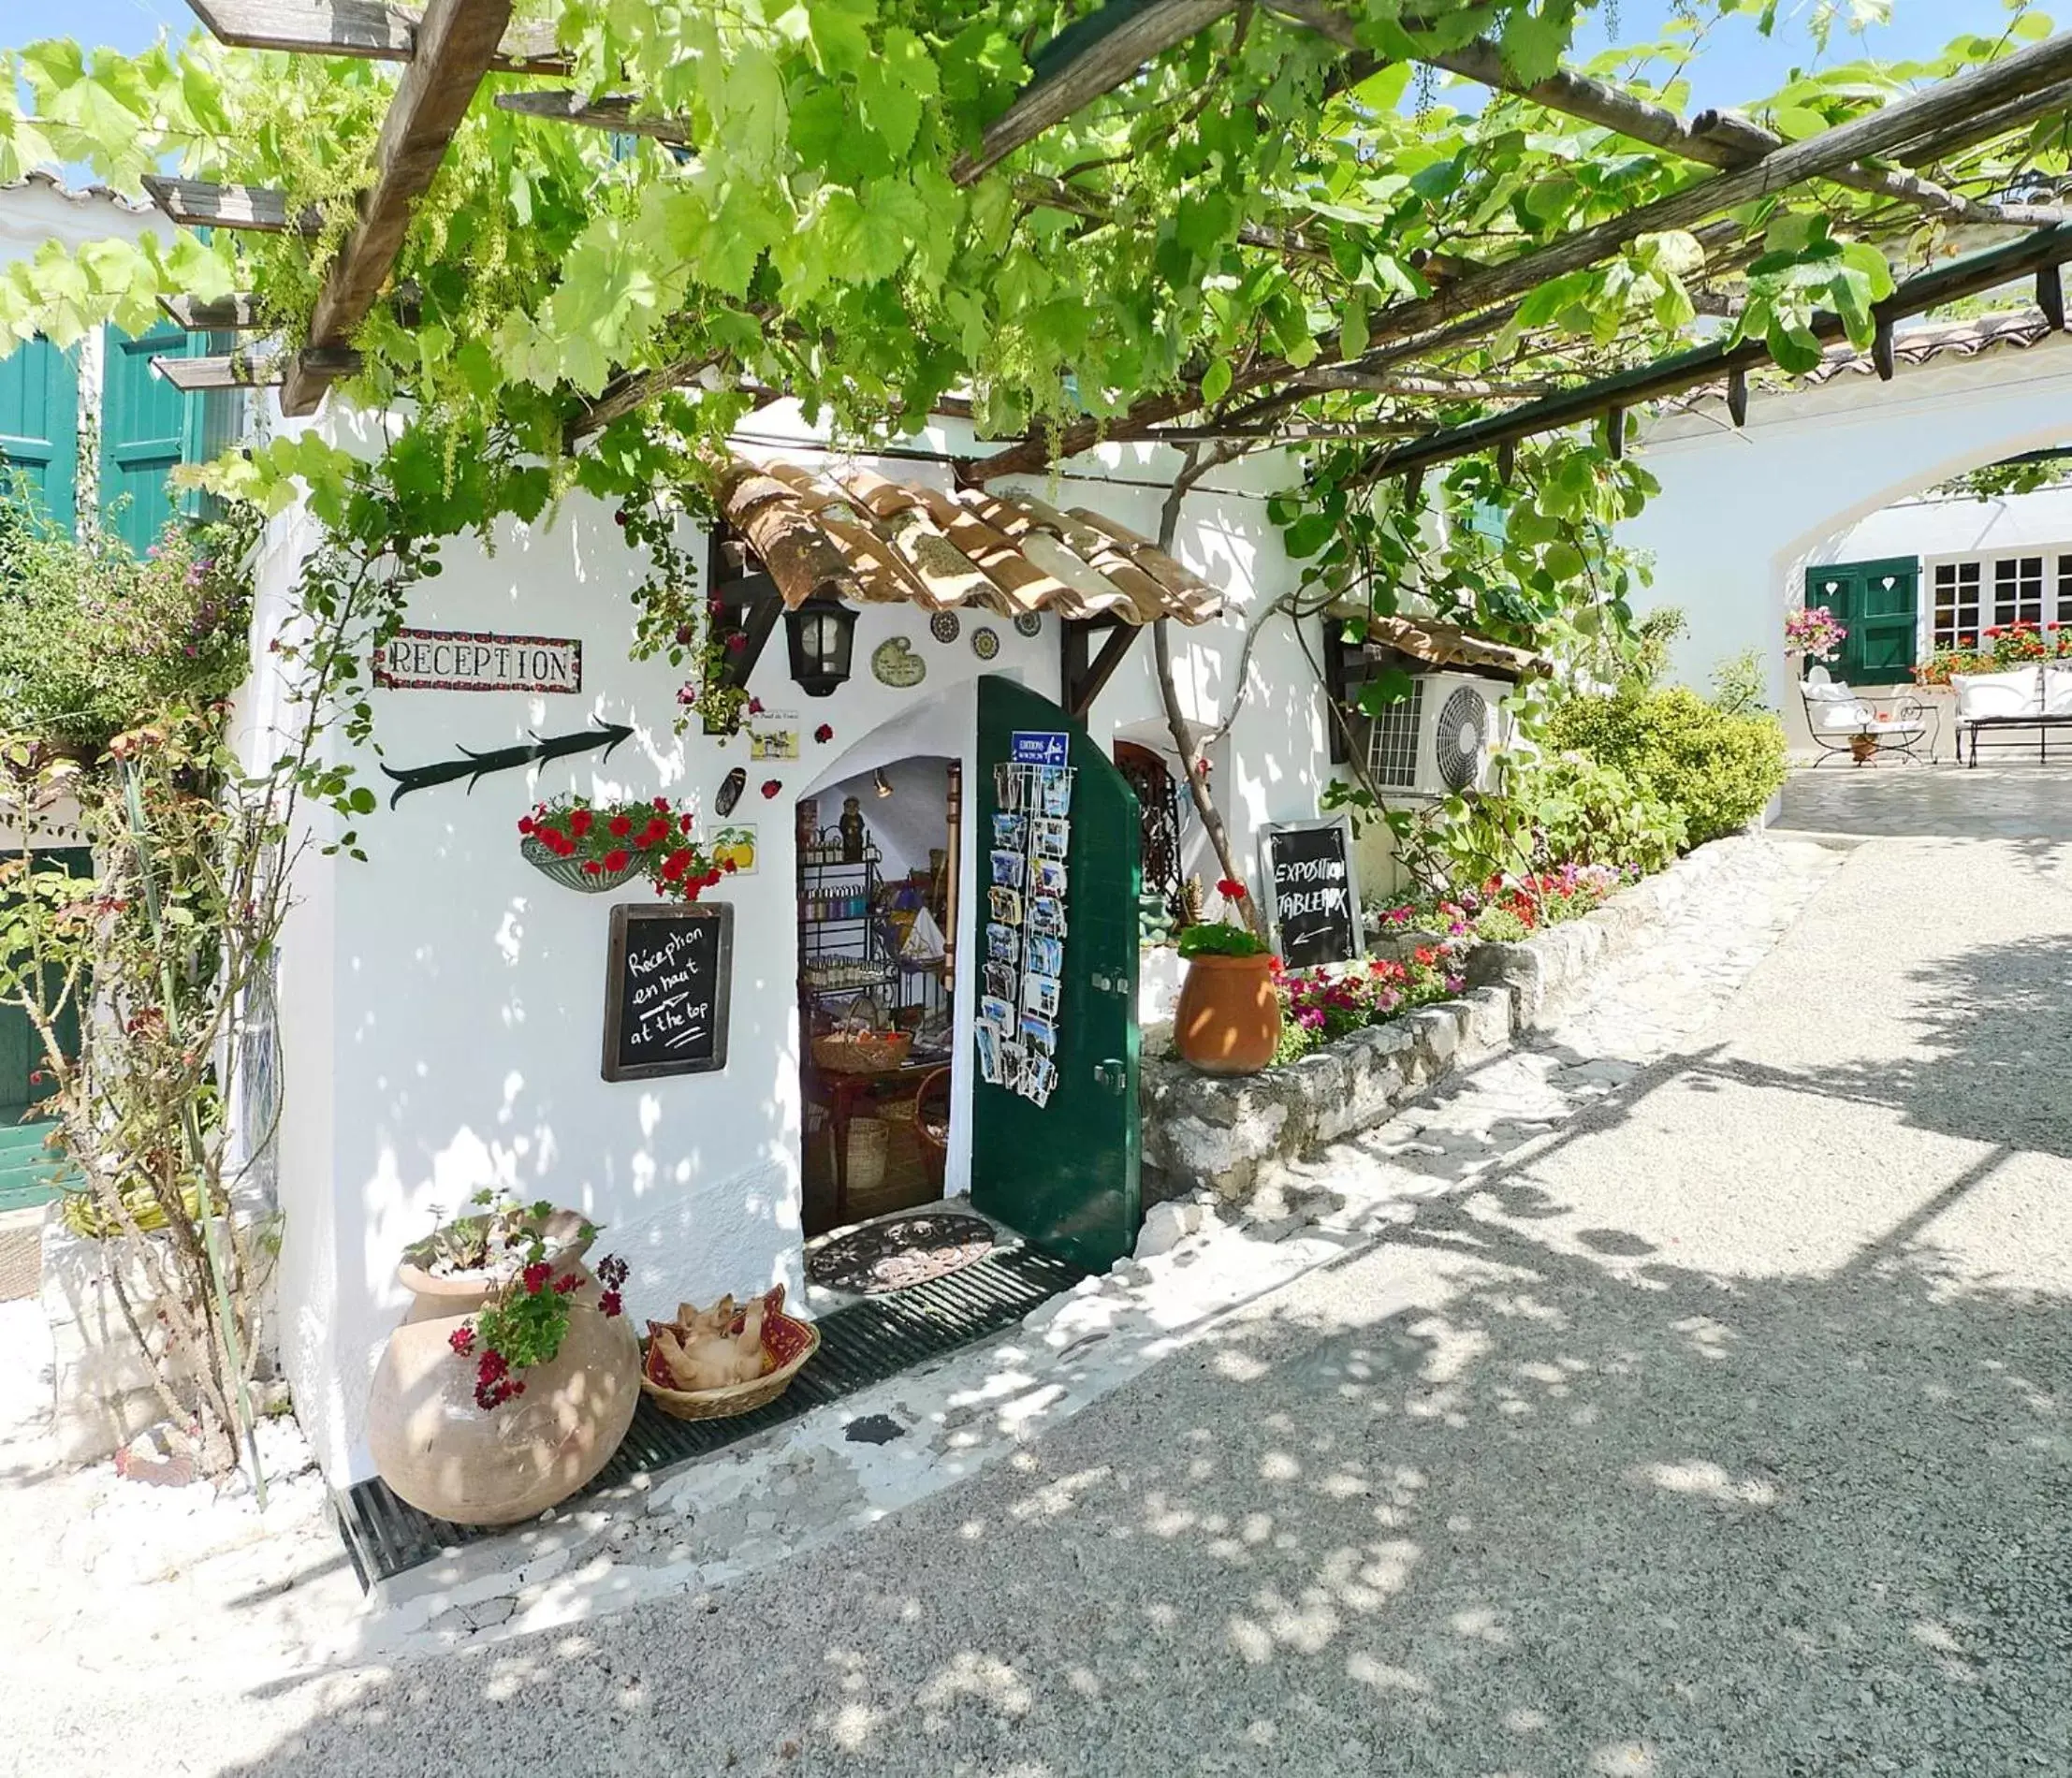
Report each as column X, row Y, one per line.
column 442, row 1004
column 1742, row 514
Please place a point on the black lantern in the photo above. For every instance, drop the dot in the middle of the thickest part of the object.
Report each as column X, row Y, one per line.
column 818, row 634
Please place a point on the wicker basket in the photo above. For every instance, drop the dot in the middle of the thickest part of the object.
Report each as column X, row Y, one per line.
column 569, row 873
column 787, row 1344
column 862, row 1052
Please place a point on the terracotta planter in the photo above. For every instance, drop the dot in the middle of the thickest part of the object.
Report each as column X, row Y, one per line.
column 460, row 1463
column 1862, row 748
column 1228, row 1021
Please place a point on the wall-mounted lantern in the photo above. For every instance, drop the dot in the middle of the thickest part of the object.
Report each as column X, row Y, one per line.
column 818, row 634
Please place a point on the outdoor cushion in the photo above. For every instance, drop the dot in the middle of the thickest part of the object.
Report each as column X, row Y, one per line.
column 2057, row 691
column 1984, row 695
column 1831, row 705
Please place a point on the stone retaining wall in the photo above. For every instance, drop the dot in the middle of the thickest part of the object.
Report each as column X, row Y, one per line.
column 1235, row 1136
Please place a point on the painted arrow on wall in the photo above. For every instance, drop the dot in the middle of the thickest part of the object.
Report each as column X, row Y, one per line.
column 475, row 766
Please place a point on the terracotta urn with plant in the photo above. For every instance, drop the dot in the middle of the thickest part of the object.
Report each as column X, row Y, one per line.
column 516, row 1372
column 1228, row 1020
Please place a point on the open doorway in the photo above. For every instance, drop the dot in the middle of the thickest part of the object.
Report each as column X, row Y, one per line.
column 877, row 983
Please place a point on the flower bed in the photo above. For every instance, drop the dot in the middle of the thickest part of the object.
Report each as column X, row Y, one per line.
column 1237, row 1135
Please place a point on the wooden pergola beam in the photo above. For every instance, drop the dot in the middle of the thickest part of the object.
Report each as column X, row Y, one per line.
column 1968, row 277
column 250, row 370
column 1116, row 41
column 201, row 203
column 1724, row 140
column 368, row 29
column 237, row 314
column 612, row 111
column 456, row 41
column 1942, row 106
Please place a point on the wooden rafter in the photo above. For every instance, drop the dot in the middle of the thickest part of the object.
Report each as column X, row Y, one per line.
column 612, row 111
column 1115, row 48
column 1724, row 140
column 455, row 42
column 199, row 203
column 248, row 370
column 237, row 313
column 368, row 29
column 1489, row 286
column 1684, row 370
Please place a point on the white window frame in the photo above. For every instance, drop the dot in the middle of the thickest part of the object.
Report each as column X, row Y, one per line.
column 2054, row 593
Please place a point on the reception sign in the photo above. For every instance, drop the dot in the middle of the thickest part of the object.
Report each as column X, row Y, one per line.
column 473, row 661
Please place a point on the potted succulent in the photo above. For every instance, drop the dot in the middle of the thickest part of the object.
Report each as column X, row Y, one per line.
column 1228, row 1019
column 516, row 1373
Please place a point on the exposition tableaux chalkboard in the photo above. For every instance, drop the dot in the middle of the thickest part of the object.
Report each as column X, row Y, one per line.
column 1312, row 901
column 666, row 990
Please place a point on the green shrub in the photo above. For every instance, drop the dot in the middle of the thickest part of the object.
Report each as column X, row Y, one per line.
column 94, row 641
column 1714, row 769
column 1591, row 813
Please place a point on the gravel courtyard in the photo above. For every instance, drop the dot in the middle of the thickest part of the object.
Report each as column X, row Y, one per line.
column 1719, row 1429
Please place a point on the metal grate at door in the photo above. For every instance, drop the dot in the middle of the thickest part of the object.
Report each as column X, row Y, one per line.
column 867, row 1343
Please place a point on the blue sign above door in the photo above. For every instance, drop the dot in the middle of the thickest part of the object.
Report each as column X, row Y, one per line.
column 1040, row 747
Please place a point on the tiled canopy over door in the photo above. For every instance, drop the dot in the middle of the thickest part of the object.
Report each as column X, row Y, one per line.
column 39, row 425
column 1878, row 603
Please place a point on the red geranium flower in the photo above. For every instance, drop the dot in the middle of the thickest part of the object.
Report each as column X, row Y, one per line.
column 1230, row 889
column 525, row 824
column 617, row 858
column 737, row 642
column 674, row 867
column 535, row 1276
column 685, row 823
column 620, row 825
column 593, row 867
column 663, row 803
column 579, row 821
column 462, row 1339
column 771, row 786
column 731, row 867
column 568, row 1281
column 610, row 1303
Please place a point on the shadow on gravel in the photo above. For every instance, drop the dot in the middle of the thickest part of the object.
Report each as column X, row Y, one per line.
column 1989, row 1026
column 1500, row 1511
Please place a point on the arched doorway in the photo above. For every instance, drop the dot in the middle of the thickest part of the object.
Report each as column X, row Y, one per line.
column 1158, row 814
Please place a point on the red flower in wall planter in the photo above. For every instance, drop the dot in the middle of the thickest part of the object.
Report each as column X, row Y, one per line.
column 595, row 847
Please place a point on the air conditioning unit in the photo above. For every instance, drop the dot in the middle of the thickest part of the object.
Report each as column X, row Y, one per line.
column 1441, row 739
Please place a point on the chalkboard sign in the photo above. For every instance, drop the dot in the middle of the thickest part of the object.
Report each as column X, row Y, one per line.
column 665, row 990
column 1312, row 901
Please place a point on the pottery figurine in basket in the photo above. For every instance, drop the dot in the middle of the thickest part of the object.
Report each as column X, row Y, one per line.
column 709, row 1349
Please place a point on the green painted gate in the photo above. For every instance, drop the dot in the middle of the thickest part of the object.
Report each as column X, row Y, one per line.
column 1878, row 603
column 1066, row 1173
column 39, row 425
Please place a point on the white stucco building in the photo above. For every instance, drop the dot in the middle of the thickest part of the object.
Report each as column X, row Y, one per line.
column 1829, row 480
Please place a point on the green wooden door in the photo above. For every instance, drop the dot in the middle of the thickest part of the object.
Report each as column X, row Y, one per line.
column 1065, row 1174
column 39, row 425
column 1878, row 603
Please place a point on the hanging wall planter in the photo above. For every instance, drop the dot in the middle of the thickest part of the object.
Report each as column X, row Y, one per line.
column 589, row 875
column 594, row 847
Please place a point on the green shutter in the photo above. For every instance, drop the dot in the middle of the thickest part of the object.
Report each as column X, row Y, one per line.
column 1878, row 603
column 143, row 435
column 39, row 425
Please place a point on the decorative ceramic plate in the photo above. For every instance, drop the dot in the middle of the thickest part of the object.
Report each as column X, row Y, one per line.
column 1029, row 623
column 895, row 663
column 986, row 642
column 943, row 626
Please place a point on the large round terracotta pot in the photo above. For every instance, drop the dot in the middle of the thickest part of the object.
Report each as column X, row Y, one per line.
column 1228, row 1021
column 447, row 1456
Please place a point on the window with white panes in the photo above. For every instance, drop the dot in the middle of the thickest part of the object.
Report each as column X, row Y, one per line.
column 2016, row 590
column 2065, row 590
column 1956, row 589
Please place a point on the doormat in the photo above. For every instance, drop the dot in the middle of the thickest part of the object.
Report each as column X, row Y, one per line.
column 867, row 1343
column 900, row 1252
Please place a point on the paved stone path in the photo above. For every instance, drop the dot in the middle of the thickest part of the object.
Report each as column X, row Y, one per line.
column 1700, row 1409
